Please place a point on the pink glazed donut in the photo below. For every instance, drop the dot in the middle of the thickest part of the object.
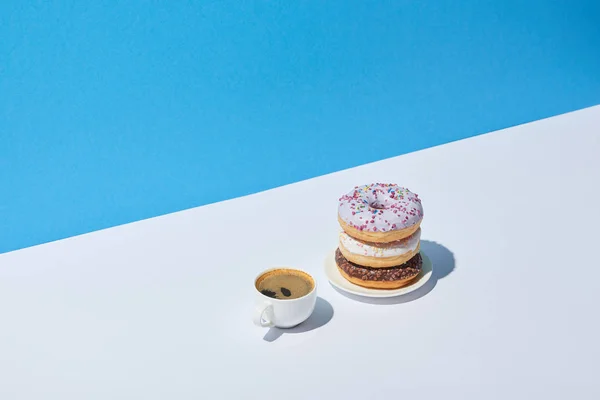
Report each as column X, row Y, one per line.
column 380, row 212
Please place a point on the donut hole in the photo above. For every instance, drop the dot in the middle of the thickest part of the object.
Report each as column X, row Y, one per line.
column 378, row 206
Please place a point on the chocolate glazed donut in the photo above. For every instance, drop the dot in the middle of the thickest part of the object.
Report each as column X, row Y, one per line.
column 379, row 278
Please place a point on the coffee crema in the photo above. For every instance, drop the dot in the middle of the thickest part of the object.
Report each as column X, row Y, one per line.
column 285, row 284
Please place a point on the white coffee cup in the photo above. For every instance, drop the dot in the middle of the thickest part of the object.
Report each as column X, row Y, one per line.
column 282, row 313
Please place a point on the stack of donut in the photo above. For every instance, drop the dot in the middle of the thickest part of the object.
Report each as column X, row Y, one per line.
column 380, row 241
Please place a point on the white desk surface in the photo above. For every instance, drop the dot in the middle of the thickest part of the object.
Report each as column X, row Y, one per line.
column 161, row 309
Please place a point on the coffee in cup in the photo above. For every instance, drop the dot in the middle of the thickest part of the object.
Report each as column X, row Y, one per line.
column 285, row 284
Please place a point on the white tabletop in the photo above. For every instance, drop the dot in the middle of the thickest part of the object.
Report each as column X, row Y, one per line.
column 161, row 309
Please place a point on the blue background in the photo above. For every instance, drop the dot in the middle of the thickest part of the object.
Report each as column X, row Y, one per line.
column 116, row 112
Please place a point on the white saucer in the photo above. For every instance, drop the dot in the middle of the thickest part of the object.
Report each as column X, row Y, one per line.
column 337, row 280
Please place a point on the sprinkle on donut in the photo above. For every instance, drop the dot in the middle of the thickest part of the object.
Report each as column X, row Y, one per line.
column 380, row 207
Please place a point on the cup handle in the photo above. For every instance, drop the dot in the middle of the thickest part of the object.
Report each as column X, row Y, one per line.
column 263, row 316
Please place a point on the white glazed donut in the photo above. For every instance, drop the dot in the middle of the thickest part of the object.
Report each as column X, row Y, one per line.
column 379, row 255
column 380, row 212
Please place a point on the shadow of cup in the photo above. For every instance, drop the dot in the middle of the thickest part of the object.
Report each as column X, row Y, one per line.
column 322, row 314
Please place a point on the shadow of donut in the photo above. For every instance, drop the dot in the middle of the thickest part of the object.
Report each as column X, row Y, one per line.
column 322, row 314
column 443, row 263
